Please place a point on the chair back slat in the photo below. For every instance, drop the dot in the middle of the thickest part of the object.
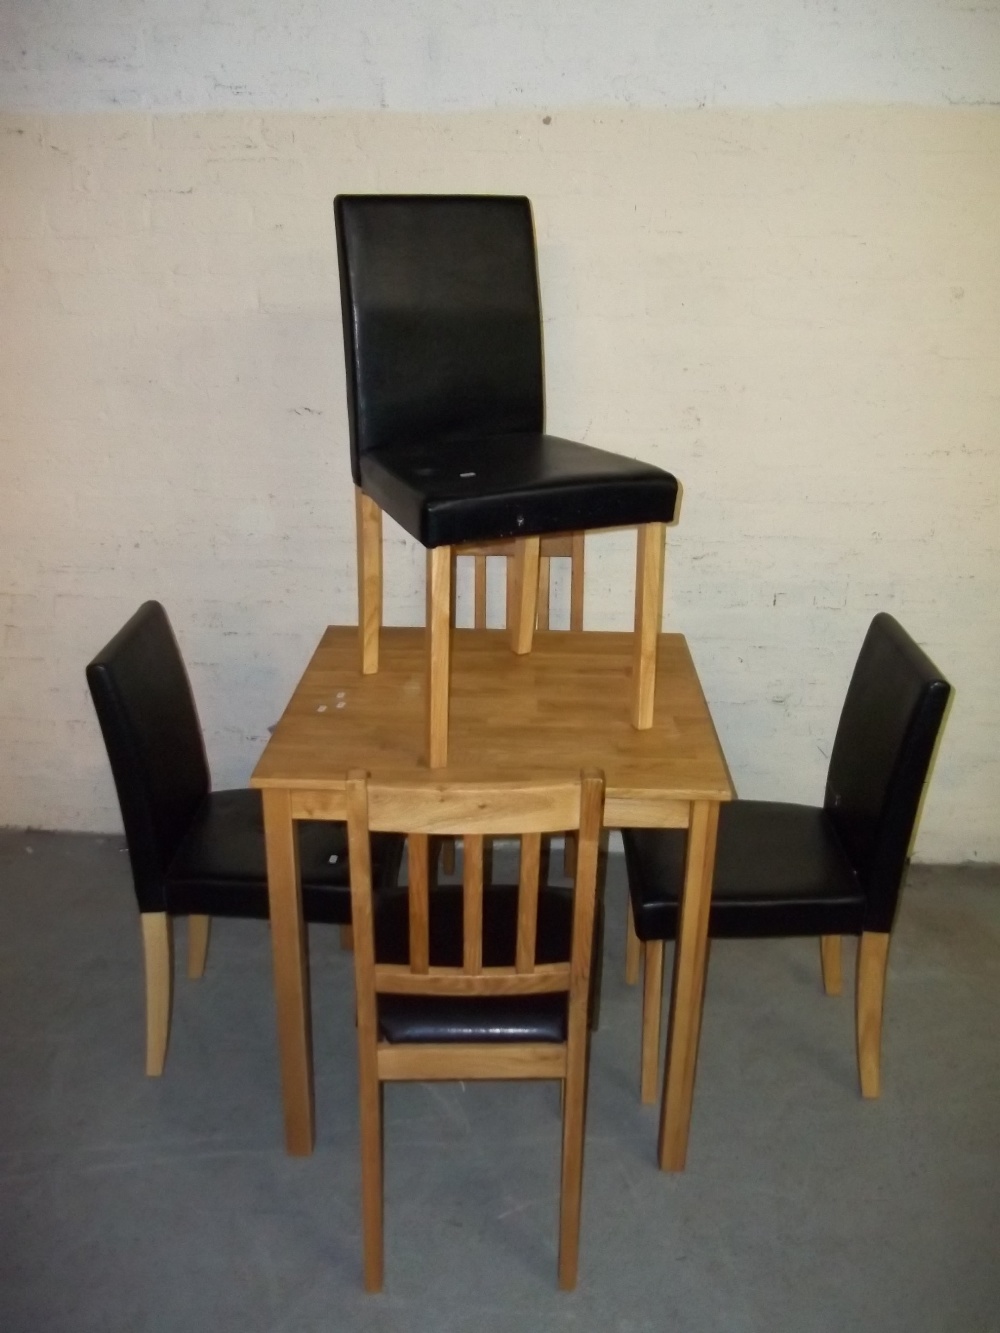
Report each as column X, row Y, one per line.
column 527, row 901
column 472, row 904
column 419, row 899
column 544, row 585
column 576, row 581
column 479, row 596
column 560, row 546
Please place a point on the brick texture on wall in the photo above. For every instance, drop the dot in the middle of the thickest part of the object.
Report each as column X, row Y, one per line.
column 796, row 311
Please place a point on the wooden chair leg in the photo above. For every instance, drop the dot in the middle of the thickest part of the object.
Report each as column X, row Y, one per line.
column 576, row 581
column 544, row 592
column 479, row 593
column 438, row 654
column 347, row 939
column 526, row 557
column 829, row 953
column 652, row 1007
column 873, row 957
column 650, row 550
column 368, row 518
column 633, row 949
column 371, row 1174
column 199, row 928
column 574, row 1102
column 158, row 957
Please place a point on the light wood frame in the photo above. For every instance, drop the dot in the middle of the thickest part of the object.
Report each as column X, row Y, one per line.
column 522, row 603
column 158, row 969
column 568, row 545
column 473, row 811
column 870, row 978
column 158, row 960
column 650, row 782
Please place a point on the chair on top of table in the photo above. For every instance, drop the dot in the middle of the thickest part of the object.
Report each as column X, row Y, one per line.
column 443, row 347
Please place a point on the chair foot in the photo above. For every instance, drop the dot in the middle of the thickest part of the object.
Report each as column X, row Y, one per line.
column 574, row 1100
column 829, row 953
column 199, row 928
column 873, row 957
column 371, row 1183
column 633, row 949
column 652, row 1006
column 158, row 957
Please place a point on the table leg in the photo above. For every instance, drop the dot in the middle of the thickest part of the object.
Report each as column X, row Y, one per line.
column 688, row 990
column 291, row 972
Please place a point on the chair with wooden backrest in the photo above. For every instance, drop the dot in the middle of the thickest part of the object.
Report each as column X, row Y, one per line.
column 567, row 545
column 785, row 870
column 445, row 396
column 462, row 982
column 570, row 546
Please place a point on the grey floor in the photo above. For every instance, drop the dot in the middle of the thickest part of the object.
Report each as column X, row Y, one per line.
column 135, row 1203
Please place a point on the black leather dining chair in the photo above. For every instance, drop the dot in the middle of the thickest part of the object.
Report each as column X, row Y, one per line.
column 195, row 852
column 445, row 396
column 798, row 870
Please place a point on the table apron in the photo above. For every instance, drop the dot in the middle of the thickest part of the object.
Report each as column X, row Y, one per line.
column 629, row 810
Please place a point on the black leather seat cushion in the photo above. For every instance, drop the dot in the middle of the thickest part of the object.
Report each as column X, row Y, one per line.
column 445, row 492
column 406, row 1018
column 779, row 870
column 220, row 868
column 443, row 1018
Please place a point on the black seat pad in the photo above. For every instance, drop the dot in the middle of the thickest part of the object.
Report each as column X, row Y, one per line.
column 779, row 870
column 220, row 867
column 406, row 1018
column 483, row 488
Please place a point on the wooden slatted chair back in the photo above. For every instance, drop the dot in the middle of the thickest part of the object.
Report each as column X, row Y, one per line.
column 473, row 812
column 568, row 545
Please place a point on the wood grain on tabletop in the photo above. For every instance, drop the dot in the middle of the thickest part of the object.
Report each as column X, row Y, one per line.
column 561, row 708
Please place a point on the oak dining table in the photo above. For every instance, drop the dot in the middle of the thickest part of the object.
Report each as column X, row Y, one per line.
column 559, row 709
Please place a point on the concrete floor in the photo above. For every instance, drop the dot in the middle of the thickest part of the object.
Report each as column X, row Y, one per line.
column 139, row 1204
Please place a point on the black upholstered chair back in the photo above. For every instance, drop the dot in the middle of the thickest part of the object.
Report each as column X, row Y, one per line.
column 147, row 713
column 442, row 326
column 881, row 755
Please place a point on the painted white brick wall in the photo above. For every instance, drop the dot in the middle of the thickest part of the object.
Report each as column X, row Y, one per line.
column 796, row 310
column 437, row 55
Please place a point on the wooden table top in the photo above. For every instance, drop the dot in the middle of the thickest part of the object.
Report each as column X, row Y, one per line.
column 556, row 710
